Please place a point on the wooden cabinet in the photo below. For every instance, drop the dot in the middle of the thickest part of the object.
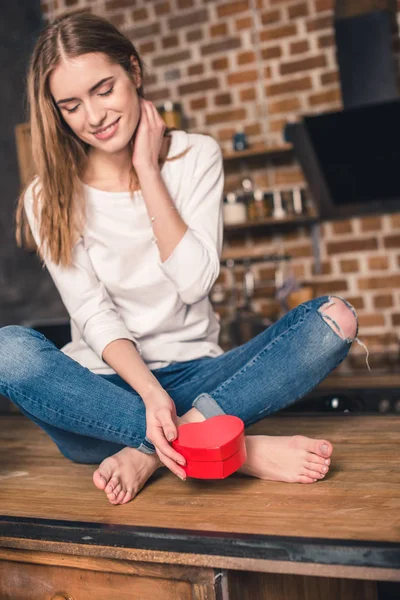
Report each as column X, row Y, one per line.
column 45, row 576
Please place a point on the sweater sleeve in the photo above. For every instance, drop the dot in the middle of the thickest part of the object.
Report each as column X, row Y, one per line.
column 194, row 264
column 84, row 296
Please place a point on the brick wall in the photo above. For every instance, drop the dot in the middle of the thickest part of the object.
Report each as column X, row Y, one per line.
column 262, row 63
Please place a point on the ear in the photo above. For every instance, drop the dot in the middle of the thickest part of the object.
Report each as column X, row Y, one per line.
column 136, row 72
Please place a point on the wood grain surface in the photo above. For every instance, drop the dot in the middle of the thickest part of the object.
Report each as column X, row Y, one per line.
column 358, row 500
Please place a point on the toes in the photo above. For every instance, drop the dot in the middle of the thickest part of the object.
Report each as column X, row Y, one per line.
column 114, row 481
column 99, row 479
column 313, row 474
column 115, row 491
column 319, row 468
column 128, row 496
column 305, row 479
column 321, row 448
column 318, row 460
column 116, row 498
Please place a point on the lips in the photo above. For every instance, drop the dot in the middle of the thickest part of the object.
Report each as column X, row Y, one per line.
column 106, row 129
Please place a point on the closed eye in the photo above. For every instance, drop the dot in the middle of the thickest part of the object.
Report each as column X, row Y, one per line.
column 107, row 93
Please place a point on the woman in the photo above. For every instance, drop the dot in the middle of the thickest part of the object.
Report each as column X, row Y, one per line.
column 127, row 219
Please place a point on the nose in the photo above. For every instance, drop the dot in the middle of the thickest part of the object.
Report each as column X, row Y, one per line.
column 96, row 115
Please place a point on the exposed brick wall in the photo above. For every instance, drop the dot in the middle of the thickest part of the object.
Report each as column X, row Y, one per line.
column 263, row 63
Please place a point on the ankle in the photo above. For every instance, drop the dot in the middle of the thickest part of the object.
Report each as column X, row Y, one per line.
column 192, row 416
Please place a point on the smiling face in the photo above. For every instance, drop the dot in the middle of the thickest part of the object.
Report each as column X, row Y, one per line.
column 92, row 94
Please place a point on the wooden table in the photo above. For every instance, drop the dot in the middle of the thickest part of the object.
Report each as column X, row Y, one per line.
column 238, row 538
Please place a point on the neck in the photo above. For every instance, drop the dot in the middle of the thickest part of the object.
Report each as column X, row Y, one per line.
column 103, row 166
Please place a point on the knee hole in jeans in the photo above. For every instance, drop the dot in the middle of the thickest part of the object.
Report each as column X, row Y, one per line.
column 340, row 318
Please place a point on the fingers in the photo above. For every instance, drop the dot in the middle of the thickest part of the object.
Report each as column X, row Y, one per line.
column 153, row 116
column 171, row 465
column 158, row 439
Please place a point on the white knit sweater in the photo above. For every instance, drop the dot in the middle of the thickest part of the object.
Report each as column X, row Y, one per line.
column 118, row 287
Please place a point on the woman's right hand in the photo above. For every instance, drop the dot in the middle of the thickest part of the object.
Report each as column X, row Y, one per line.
column 161, row 428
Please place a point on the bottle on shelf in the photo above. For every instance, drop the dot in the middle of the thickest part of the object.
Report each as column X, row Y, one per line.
column 234, row 209
column 239, row 140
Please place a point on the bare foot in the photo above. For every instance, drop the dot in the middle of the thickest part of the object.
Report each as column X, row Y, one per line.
column 294, row 459
column 124, row 474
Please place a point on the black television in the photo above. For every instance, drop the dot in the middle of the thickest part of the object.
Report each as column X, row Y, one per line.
column 351, row 159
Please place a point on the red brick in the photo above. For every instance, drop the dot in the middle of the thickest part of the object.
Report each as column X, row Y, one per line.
column 299, row 47
column 341, row 227
column 276, row 33
column 272, row 52
column 157, row 95
column 185, row 4
column 242, row 77
column 329, row 97
column 396, row 319
column 329, row 78
column 195, row 35
column 223, row 99
column 197, row 69
column 270, row 16
column 246, row 57
column 371, row 320
column 198, row 103
column 145, row 31
column 219, row 29
column 329, row 287
column 392, row 241
column 299, row 251
column 170, row 41
column 170, row 59
column 372, row 223
column 232, row 8
column 140, row 14
column 248, row 94
column 352, row 246
column 116, row 4
column 118, row 19
column 324, row 5
column 383, row 301
column 356, row 301
column 284, row 106
column 326, row 41
column 223, row 46
column 162, row 8
column 199, row 86
column 147, row 47
column 320, row 23
column 376, row 263
column 245, row 23
column 289, row 87
column 395, row 221
column 277, row 125
column 225, row 134
column 197, row 17
column 220, row 64
column 326, row 268
column 298, row 10
column 227, row 115
column 349, row 266
column 376, row 283
column 305, row 64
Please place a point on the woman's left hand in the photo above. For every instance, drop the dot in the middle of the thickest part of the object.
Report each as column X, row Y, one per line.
column 149, row 137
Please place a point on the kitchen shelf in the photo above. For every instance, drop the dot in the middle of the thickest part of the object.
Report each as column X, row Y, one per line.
column 257, row 151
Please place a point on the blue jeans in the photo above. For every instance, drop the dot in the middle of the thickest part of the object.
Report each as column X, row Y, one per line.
column 92, row 416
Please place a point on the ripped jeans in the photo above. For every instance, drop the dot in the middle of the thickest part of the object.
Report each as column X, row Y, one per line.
column 91, row 416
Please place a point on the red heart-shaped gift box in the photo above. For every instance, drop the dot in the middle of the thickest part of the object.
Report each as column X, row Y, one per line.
column 214, row 448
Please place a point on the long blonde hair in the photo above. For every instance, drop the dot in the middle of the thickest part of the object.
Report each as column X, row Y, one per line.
column 59, row 156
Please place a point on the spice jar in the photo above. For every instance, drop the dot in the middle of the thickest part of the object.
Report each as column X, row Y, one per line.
column 171, row 113
column 234, row 209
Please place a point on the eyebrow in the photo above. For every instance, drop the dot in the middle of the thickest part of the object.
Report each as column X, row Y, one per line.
column 92, row 89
